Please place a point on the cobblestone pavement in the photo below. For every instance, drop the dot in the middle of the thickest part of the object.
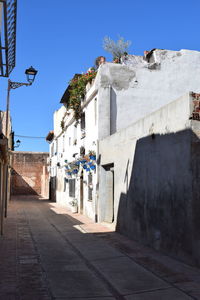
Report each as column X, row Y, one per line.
column 48, row 253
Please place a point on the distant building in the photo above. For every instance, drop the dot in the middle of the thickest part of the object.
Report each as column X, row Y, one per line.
column 30, row 174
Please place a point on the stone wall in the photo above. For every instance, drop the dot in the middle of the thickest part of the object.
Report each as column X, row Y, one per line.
column 29, row 173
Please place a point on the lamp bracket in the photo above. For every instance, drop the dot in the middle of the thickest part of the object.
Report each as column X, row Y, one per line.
column 14, row 85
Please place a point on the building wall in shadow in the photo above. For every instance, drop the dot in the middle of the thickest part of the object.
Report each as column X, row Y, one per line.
column 19, row 186
column 161, row 206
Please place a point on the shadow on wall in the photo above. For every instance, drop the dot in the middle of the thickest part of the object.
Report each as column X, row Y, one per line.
column 19, row 186
column 162, row 205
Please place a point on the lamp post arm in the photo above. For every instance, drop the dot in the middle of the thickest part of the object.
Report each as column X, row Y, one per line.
column 14, row 85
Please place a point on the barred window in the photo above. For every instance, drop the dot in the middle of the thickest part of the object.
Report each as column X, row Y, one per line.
column 72, row 187
column 90, row 187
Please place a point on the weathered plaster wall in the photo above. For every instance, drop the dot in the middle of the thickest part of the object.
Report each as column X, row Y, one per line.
column 29, row 173
column 137, row 90
column 157, row 175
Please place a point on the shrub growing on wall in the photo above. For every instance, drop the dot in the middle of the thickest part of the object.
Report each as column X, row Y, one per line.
column 78, row 90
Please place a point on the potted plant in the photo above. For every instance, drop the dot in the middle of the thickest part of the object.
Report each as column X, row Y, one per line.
column 117, row 49
column 74, row 205
column 92, row 155
column 75, row 171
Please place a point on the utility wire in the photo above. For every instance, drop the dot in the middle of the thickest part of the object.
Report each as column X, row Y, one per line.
column 30, row 137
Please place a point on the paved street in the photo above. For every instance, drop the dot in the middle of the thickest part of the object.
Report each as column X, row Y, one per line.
column 48, row 253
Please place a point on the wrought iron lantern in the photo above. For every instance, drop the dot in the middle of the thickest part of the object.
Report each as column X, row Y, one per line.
column 30, row 74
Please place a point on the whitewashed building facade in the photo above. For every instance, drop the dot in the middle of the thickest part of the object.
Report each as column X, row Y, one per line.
column 121, row 95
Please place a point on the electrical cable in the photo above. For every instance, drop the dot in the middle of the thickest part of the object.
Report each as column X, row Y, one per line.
column 30, row 137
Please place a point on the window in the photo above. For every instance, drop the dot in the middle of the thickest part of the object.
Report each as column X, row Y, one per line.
column 65, row 184
column 82, row 121
column 90, row 187
column 72, row 187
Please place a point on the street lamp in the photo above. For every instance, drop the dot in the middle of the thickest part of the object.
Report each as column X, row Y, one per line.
column 18, row 142
column 30, row 73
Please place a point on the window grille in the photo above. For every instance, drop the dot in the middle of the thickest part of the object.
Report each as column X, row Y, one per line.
column 72, row 187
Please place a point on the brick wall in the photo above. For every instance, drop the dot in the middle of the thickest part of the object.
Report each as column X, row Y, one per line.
column 29, row 173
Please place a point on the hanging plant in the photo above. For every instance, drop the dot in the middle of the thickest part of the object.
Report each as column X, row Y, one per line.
column 78, row 90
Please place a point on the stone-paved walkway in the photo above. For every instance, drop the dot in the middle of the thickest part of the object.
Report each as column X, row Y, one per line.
column 48, row 253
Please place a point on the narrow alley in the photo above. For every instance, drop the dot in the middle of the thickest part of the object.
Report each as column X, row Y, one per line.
column 49, row 253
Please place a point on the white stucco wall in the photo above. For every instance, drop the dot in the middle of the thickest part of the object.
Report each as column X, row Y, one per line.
column 58, row 115
column 136, row 91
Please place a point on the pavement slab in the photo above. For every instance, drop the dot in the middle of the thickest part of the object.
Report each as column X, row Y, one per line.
column 169, row 294
column 94, row 250
column 80, row 283
column 91, row 298
column 127, row 276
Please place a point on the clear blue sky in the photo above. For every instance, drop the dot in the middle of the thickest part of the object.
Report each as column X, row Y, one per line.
column 63, row 37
